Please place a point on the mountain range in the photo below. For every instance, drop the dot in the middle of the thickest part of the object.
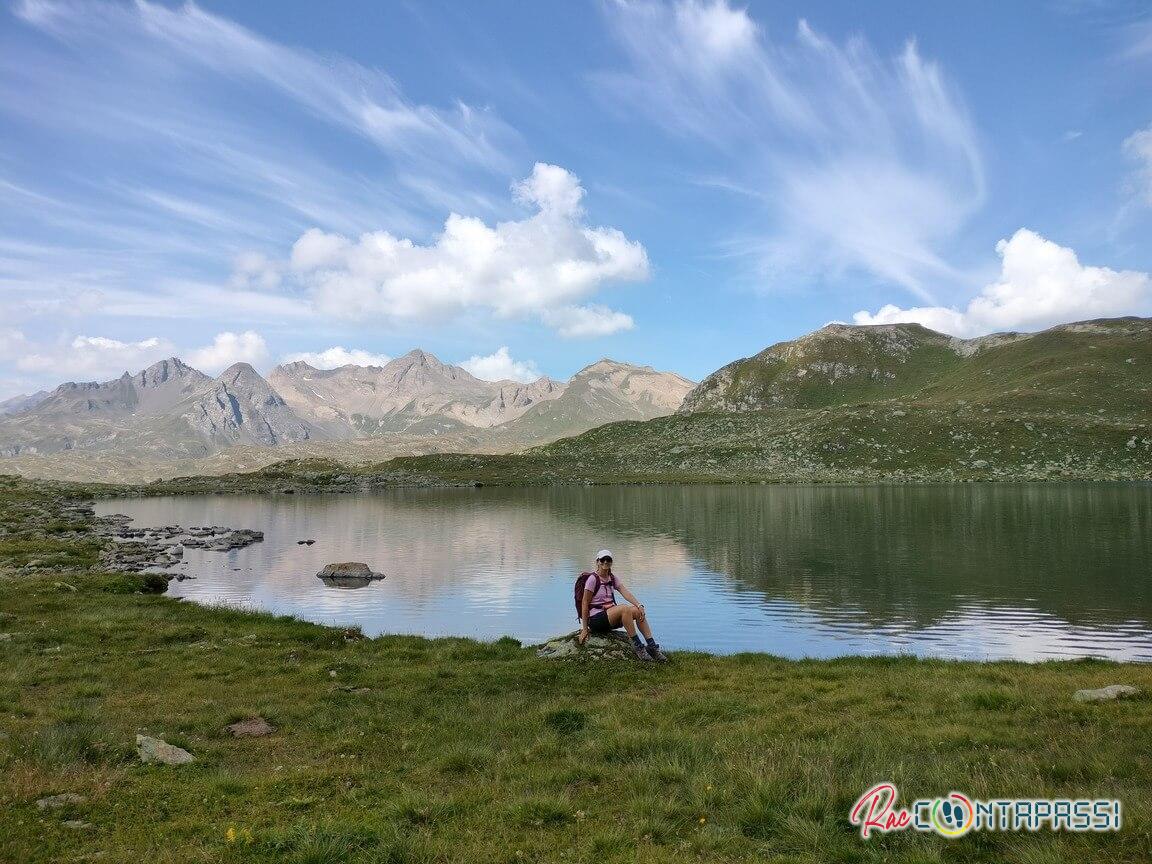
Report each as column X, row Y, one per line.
column 171, row 411
column 845, row 402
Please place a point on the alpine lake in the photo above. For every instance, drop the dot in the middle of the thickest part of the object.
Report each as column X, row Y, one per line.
column 967, row 571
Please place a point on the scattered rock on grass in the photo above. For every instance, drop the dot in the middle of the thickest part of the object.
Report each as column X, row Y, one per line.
column 253, row 727
column 55, row 802
column 1112, row 691
column 78, row 825
column 155, row 750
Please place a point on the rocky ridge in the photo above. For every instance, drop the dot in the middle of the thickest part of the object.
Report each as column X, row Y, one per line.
column 168, row 418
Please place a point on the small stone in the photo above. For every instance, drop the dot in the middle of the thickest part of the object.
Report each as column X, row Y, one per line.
column 55, row 802
column 253, row 727
column 5, row 637
column 78, row 825
column 155, row 750
column 1103, row 694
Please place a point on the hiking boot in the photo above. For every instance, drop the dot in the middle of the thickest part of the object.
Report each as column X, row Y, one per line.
column 641, row 652
column 656, row 654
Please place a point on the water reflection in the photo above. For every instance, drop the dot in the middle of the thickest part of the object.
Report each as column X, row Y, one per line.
column 1027, row 571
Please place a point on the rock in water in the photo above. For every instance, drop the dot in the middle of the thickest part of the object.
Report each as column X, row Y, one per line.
column 598, row 646
column 349, row 570
column 155, row 750
column 1113, row 691
column 253, row 727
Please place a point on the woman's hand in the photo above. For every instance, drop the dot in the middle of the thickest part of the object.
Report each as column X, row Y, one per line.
column 580, row 640
column 640, row 611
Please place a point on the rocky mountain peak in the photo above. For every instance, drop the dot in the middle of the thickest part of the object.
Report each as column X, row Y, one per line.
column 418, row 357
column 240, row 372
column 606, row 366
column 166, row 370
column 295, row 367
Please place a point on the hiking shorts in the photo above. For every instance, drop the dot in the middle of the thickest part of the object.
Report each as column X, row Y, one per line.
column 599, row 622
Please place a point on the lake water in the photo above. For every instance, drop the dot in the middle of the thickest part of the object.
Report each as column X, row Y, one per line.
column 1029, row 571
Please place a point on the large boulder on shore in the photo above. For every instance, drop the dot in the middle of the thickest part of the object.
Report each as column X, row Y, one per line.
column 599, row 646
column 350, row 574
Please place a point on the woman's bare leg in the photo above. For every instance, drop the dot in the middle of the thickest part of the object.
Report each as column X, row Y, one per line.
column 623, row 616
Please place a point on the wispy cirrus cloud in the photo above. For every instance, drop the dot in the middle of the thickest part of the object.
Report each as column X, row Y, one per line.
column 1137, row 149
column 858, row 161
column 366, row 101
column 158, row 145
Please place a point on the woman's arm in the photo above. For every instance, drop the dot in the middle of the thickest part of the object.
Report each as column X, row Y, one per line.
column 628, row 595
column 585, row 605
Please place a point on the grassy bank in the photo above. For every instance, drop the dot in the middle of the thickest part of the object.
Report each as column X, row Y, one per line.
column 404, row 749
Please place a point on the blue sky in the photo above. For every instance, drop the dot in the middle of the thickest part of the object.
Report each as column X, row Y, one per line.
column 529, row 187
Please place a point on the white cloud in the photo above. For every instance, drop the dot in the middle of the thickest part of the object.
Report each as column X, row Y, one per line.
column 254, row 270
column 337, row 356
column 365, row 101
column 13, row 343
column 94, row 358
column 100, row 358
column 228, row 348
column 1138, row 148
column 859, row 161
column 1041, row 284
column 574, row 322
column 501, row 367
column 538, row 266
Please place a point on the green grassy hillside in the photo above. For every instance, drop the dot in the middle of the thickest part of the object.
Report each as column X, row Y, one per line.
column 896, row 442
column 1090, row 367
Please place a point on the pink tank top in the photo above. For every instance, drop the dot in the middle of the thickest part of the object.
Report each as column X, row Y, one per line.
column 602, row 594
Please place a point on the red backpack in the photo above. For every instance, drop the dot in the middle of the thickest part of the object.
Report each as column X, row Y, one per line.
column 579, row 589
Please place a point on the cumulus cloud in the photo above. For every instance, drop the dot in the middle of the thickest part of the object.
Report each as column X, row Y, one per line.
column 501, row 367
column 856, row 160
column 94, row 357
column 100, row 358
column 575, row 322
column 228, row 348
column 541, row 266
column 337, row 356
column 1041, row 284
column 1138, row 148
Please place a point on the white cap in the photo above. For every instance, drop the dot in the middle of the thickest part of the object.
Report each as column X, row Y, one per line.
column 603, row 553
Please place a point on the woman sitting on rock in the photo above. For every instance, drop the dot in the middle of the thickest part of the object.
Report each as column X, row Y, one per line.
column 600, row 613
